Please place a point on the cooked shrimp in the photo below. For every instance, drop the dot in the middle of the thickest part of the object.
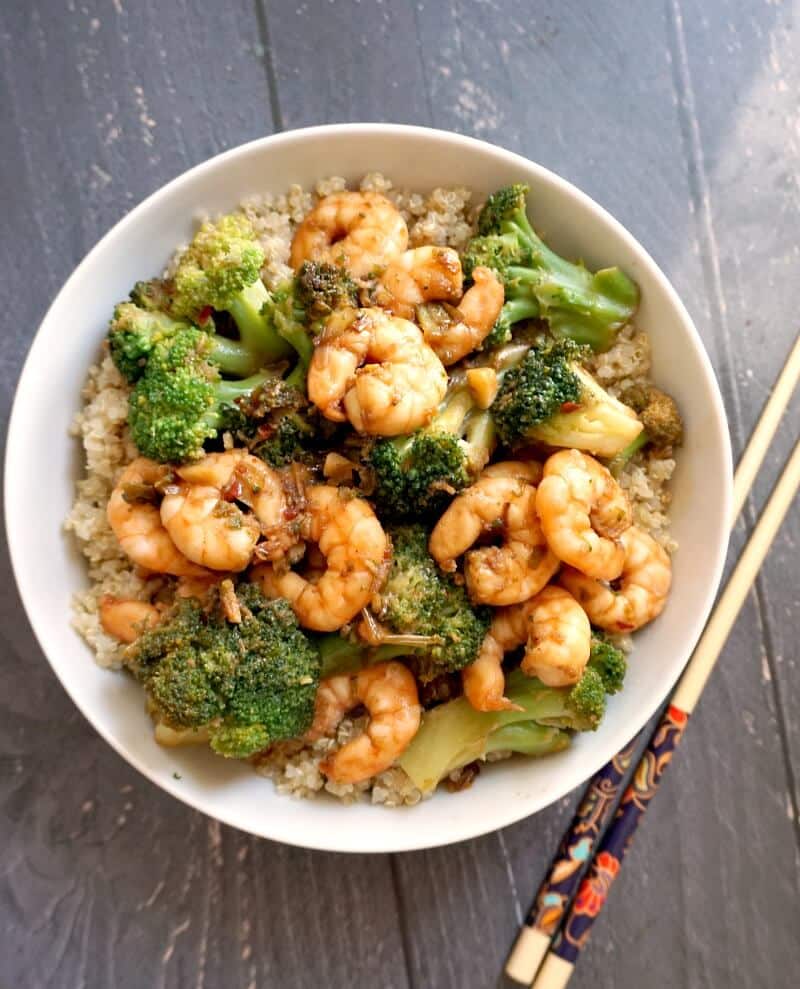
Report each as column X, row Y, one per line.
column 643, row 586
column 524, row 470
column 125, row 619
column 389, row 693
column 423, row 274
column 557, row 635
column 204, row 521
column 473, row 319
column 583, row 512
column 483, row 680
column 377, row 371
column 361, row 231
column 355, row 548
column 498, row 575
column 135, row 521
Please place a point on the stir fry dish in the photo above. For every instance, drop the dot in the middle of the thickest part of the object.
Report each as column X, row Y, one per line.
column 377, row 490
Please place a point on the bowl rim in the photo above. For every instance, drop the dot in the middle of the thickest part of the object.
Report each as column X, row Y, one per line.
column 337, row 841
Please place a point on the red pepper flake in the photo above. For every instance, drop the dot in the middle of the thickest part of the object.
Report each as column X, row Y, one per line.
column 204, row 315
column 233, row 490
column 569, row 406
column 290, row 513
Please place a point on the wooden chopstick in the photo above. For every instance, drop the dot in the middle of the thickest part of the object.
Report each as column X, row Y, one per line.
column 560, row 960
column 599, row 799
column 753, row 456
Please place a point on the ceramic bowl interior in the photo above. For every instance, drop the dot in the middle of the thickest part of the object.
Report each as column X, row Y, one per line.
column 49, row 568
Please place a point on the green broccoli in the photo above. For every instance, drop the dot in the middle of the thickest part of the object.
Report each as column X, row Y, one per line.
column 577, row 305
column 298, row 308
column 250, row 684
column 415, row 474
column 609, row 661
column 455, row 734
column 419, row 600
column 221, row 270
column 663, row 426
column 424, row 615
column 322, row 288
column 181, row 400
column 134, row 331
column 549, row 398
column 155, row 295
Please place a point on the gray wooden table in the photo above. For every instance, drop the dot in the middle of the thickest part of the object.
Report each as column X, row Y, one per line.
column 681, row 117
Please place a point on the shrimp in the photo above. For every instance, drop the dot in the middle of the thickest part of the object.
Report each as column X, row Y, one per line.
column 497, row 575
column 377, row 371
column 423, row 274
column 361, row 231
column 557, row 635
column 583, row 512
column 389, row 693
column 524, row 470
column 643, row 586
column 125, row 619
column 483, row 680
column 471, row 322
column 135, row 521
column 356, row 551
column 204, row 521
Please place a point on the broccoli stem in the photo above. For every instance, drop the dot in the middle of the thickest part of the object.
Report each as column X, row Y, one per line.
column 521, row 306
column 455, row 734
column 339, row 655
column 254, row 328
column 227, row 392
column 481, row 432
column 527, row 738
column 618, row 463
column 233, row 358
column 454, row 410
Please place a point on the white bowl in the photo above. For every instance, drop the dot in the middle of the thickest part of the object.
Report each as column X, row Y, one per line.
column 49, row 569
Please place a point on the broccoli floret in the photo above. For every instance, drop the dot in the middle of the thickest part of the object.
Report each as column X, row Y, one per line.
column 415, row 474
column 279, row 425
column 455, row 734
column 549, row 398
column 134, row 331
column 322, row 288
column 221, row 269
column 424, row 616
column 609, row 661
column 577, row 305
column 585, row 703
column 297, row 309
column 181, row 400
column 419, row 600
column 250, row 684
column 155, row 295
column 663, row 426
column 132, row 334
column 291, row 439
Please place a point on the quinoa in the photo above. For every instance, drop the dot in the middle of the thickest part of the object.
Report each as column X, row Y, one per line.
column 445, row 216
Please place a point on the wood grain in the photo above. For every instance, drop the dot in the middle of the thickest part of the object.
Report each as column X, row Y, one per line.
column 681, row 118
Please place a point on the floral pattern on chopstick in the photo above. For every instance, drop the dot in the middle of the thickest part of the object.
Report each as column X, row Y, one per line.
column 578, row 843
column 603, row 871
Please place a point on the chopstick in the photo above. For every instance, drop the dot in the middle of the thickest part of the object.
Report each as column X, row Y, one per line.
column 560, row 960
column 753, row 456
column 599, row 800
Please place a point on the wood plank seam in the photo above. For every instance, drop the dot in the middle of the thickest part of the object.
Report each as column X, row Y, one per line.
column 268, row 62
column 701, row 200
